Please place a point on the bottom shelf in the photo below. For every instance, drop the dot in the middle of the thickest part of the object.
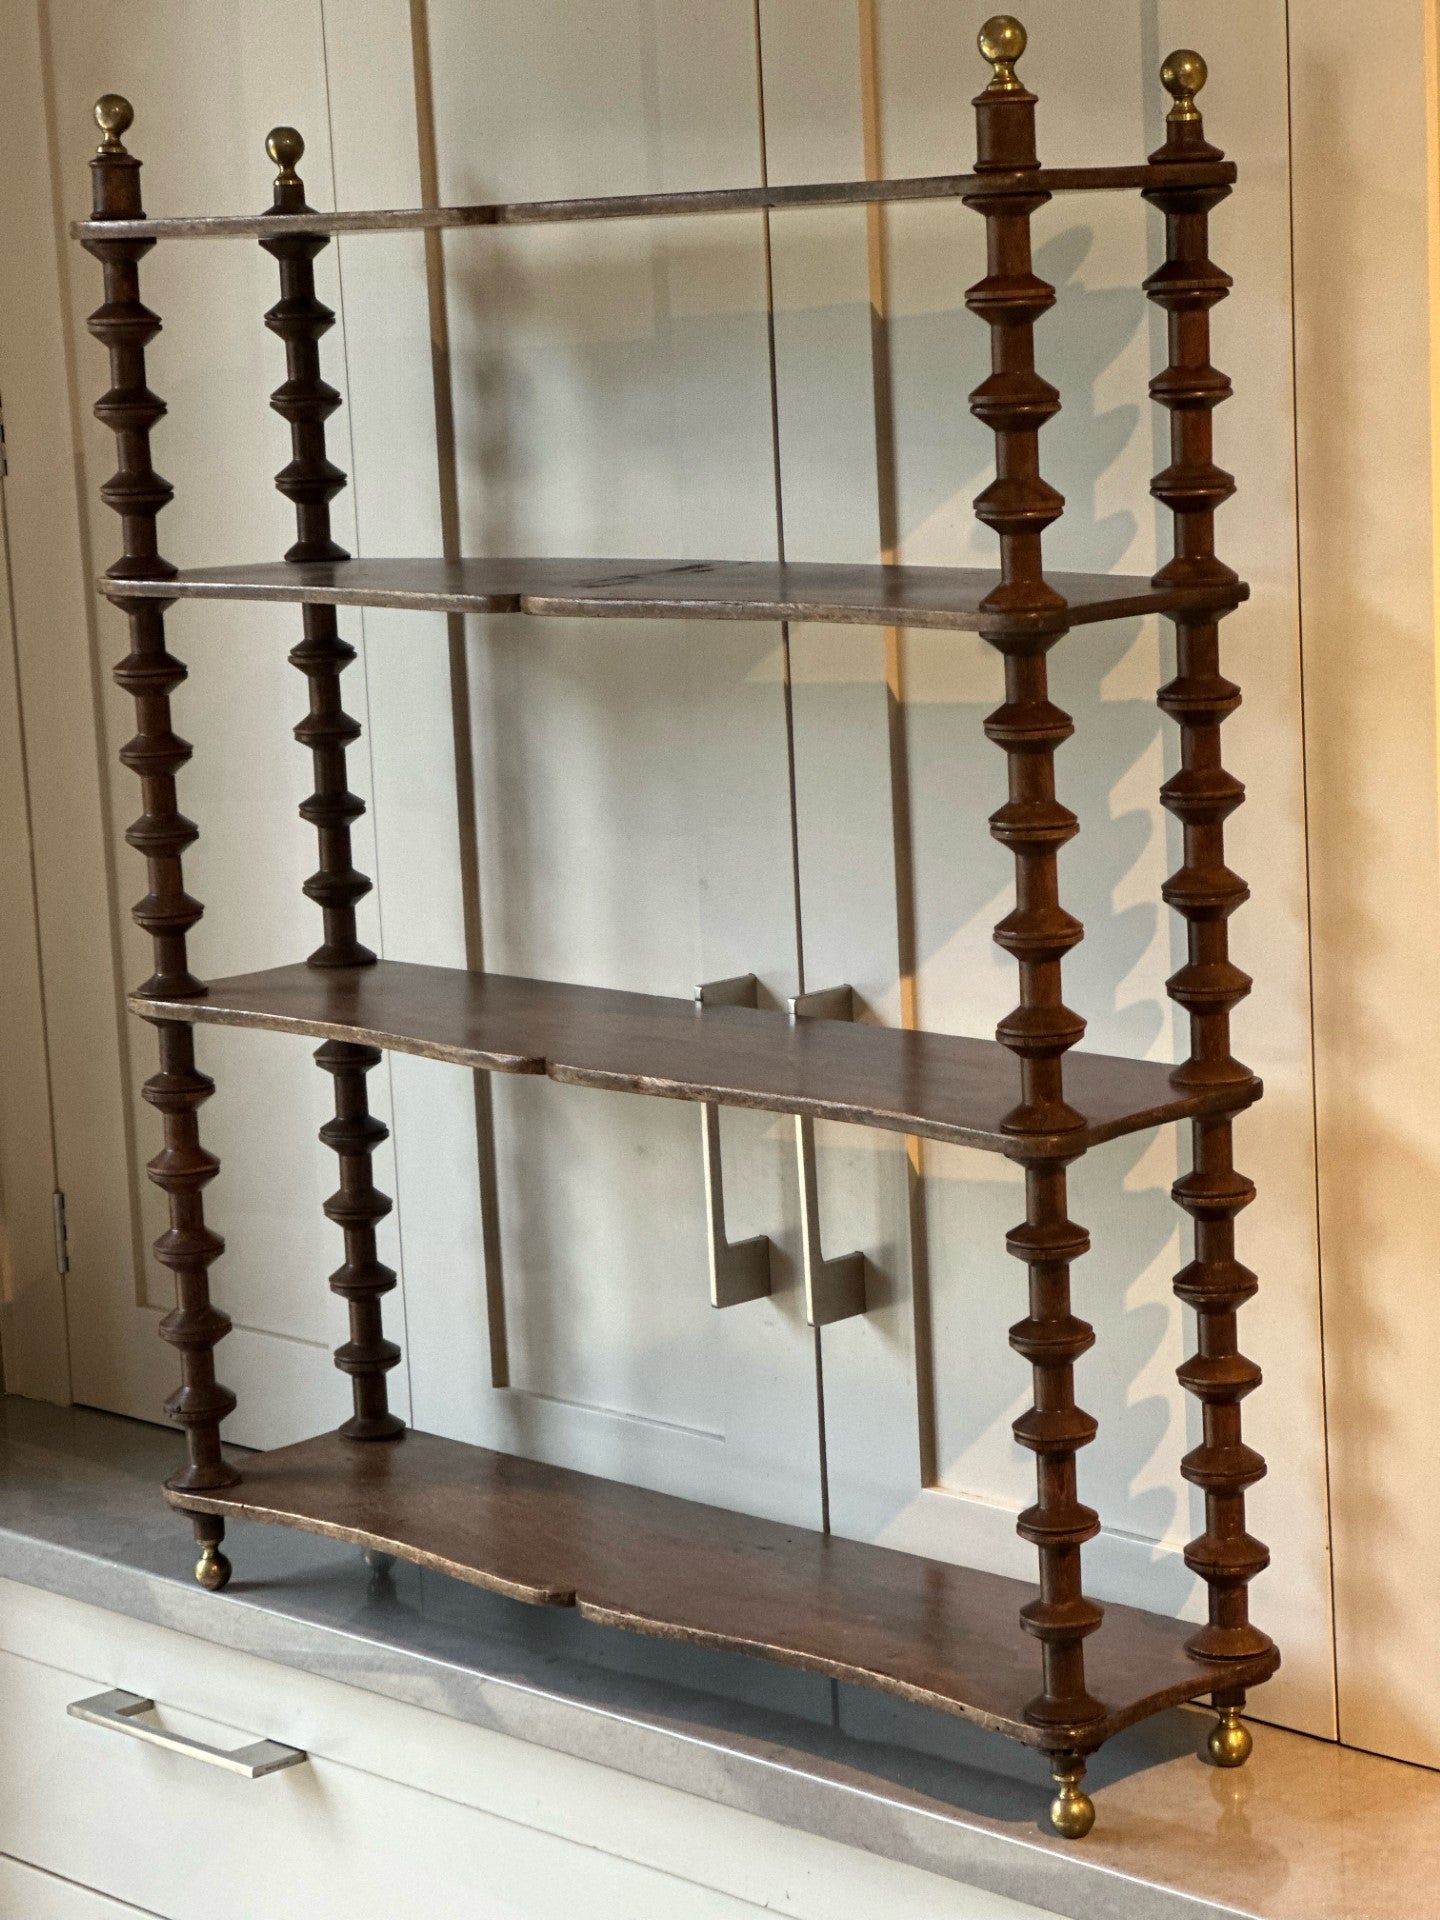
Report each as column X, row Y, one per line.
column 945, row 1636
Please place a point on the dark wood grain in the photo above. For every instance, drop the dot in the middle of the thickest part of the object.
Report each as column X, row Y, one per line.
column 942, row 1086
column 362, row 1279
column 309, row 481
column 1204, row 892
column 1016, row 402
column 150, row 673
column 943, row 1635
column 642, row 206
column 960, row 598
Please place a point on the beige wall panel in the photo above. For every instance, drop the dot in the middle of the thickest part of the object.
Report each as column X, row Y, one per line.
column 33, row 1340
column 33, row 1344
column 1363, row 342
column 69, row 912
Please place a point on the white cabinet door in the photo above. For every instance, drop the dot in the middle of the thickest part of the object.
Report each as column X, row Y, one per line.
column 631, row 780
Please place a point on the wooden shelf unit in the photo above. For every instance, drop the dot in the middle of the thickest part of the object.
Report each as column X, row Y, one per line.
column 993, row 1650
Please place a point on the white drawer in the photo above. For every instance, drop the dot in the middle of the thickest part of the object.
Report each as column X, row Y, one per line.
column 324, row 1841
column 397, row 1812
column 28, row 1894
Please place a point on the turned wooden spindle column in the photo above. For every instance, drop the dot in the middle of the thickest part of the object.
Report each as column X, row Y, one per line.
column 311, row 481
column 150, row 674
column 1205, row 893
column 357, row 1208
column 1016, row 402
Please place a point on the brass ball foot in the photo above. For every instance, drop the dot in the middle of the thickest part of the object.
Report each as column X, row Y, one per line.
column 1072, row 1811
column 1230, row 1742
column 212, row 1569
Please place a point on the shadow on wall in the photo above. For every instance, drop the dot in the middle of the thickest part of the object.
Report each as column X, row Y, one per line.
column 1105, row 676
column 677, row 382
column 622, row 770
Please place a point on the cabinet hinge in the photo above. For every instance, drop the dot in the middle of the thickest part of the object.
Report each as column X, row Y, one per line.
column 62, row 1233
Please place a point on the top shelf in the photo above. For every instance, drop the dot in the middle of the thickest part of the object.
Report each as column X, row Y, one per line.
column 652, row 206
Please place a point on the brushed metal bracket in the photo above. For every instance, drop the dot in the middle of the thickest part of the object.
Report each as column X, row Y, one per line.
column 739, row 1271
column 835, row 1288
column 116, row 1711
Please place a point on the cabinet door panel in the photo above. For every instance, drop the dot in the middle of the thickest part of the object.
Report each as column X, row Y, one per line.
column 599, row 390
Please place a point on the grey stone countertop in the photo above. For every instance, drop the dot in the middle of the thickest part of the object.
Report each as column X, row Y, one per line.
column 81, row 1514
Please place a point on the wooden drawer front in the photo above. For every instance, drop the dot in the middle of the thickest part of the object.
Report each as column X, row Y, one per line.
column 397, row 1811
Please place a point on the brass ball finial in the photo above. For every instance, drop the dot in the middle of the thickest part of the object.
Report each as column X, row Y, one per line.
column 286, row 148
column 113, row 115
column 213, row 1568
column 1182, row 76
column 1231, row 1742
column 1002, row 40
column 1072, row 1811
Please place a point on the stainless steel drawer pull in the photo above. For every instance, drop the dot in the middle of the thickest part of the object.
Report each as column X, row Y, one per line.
column 117, row 1711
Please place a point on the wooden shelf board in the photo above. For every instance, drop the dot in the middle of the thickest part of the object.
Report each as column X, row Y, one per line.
column 942, row 1635
column 945, row 597
column 639, row 206
column 941, row 1086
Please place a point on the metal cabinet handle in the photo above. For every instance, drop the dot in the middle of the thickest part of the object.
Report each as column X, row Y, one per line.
column 739, row 1269
column 834, row 1288
column 117, row 1710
